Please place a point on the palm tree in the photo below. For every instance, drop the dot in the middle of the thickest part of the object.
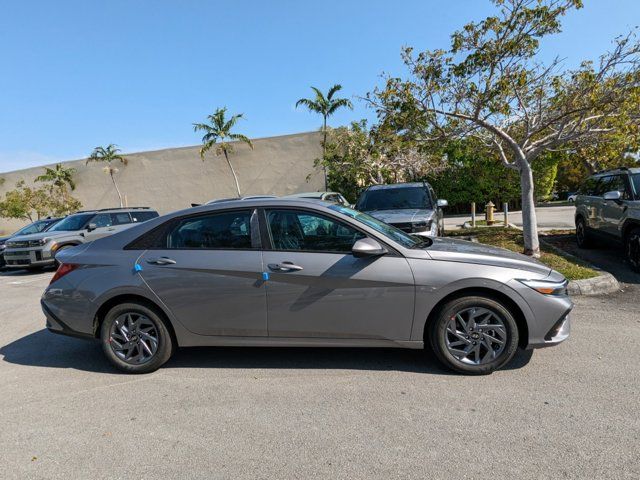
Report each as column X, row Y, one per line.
column 109, row 154
column 60, row 176
column 218, row 132
column 325, row 106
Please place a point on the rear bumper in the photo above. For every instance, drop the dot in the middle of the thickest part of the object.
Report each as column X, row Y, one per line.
column 55, row 325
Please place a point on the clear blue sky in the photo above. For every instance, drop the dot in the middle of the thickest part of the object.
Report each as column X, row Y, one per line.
column 76, row 74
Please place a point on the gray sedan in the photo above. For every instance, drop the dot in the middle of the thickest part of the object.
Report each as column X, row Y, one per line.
column 284, row 272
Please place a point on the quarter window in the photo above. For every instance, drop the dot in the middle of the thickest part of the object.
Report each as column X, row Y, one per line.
column 306, row 231
column 224, row 230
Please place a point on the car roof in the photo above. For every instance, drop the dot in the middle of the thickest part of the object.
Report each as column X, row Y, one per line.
column 391, row 186
column 615, row 171
column 115, row 210
column 310, row 194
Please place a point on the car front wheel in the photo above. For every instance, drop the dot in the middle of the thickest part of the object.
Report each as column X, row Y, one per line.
column 632, row 248
column 135, row 339
column 474, row 335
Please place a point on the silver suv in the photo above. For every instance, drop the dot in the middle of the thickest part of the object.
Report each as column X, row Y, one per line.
column 608, row 207
column 411, row 207
column 39, row 249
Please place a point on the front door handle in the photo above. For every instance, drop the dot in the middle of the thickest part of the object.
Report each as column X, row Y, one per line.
column 161, row 261
column 284, row 267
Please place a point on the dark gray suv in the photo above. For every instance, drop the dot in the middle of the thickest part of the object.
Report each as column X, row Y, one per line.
column 608, row 208
column 285, row 272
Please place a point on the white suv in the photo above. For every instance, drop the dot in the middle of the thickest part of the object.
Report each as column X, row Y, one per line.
column 39, row 249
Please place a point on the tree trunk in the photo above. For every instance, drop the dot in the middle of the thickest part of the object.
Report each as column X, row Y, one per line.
column 324, row 152
column 117, row 189
column 529, row 222
column 233, row 172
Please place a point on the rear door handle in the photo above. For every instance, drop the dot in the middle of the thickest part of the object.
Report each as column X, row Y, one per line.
column 161, row 261
column 284, row 267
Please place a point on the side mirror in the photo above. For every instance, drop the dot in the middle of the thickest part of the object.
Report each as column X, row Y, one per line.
column 367, row 247
column 613, row 195
column 442, row 203
column 91, row 227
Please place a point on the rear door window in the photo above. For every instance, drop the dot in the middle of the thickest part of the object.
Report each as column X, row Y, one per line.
column 120, row 218
column 219, row 231
column 143, row 216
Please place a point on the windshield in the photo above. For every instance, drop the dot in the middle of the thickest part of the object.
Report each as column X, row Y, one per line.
column 394, row 199
column 395, row 234
column 35, row 227
column 72, row 223
column 635, row 180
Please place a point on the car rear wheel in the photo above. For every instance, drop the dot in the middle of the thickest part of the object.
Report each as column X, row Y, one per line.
column 583, row 239
column 135, row 339
column 474, row 335
column 632, row 249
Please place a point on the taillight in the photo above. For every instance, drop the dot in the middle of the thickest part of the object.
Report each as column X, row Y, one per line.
column 63, row 269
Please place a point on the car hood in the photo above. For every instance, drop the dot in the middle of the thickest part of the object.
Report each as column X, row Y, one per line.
column 453, row 250
column 39, row 236
column 404, row 215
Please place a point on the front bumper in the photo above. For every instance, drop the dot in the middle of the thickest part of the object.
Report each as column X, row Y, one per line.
column 28, row 257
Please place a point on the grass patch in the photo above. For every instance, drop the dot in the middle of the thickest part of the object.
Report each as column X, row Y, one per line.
column 484, row 223
column 511, row 239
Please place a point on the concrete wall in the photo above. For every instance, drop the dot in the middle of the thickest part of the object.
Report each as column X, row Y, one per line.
column 172, row 179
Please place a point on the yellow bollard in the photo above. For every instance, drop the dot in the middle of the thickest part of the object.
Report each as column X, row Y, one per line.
column 489, row 213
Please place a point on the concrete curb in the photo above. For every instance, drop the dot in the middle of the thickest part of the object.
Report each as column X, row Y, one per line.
column 603, row 283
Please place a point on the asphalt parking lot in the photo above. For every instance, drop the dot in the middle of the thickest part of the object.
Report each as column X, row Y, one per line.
column 564, row 412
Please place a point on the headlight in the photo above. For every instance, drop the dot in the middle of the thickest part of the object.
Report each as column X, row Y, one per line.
column 421, row 226
column 546, row 287
column 38, row 243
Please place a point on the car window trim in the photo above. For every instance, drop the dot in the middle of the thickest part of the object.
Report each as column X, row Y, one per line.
column 267, row 241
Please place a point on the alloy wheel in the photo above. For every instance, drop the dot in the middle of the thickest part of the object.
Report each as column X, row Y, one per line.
column 134, row 338
column 476, row 336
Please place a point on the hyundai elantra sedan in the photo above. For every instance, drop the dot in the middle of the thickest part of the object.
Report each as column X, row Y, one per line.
column 293, row 272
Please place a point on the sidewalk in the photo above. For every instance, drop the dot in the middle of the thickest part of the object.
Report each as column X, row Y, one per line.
column 549, row 218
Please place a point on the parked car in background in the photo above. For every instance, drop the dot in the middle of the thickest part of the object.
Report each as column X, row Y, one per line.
column 35, row 227
column 294, row 272
column 411, row 207
column 38, row 250
column 331, row 197
column 608, row 208
column 571, row 196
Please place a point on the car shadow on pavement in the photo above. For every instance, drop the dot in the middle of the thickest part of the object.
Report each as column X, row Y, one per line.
column 45, row 349
column 609, row 258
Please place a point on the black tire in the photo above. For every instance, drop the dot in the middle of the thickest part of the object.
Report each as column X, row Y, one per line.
column 164, row 343
column 440, row 336
column 583, row 238
column 632, row 249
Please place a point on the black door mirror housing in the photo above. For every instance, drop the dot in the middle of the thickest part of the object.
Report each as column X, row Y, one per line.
column 367, row 247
